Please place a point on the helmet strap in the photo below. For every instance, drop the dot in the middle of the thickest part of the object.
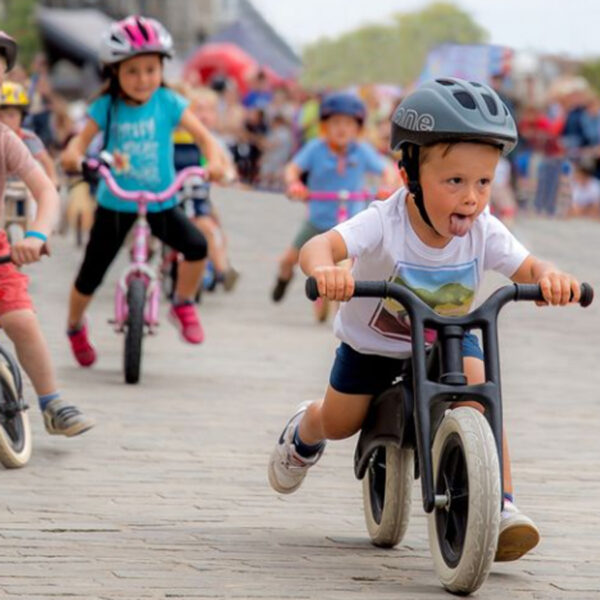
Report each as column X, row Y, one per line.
column 410, row 163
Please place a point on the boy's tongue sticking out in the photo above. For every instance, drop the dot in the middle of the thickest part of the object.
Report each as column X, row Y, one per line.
column 460, row 224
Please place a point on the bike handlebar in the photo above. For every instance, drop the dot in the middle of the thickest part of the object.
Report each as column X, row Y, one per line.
column 141, row 196
column 385, row 289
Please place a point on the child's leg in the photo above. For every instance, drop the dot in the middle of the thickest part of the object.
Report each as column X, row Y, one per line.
column 216, row 249
column 106, row 238
column 287, row 263
column 174, row 229
column 23, row 329
column 60, row 417
column 336, row 417
column 290, row 259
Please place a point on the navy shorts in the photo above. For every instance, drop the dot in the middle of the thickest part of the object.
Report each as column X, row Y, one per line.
column 356, row 373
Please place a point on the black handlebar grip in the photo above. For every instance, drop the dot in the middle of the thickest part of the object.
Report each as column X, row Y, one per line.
column 587, row 295
column 532, row 291
column 5, row 259
column 311, row 288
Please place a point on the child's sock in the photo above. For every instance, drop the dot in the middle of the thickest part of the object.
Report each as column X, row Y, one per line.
column 305, row 450
column 178, row 301
column 46, row 399
column 71, row 329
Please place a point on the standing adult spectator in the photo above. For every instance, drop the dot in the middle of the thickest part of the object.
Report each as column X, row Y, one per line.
column 40, row 95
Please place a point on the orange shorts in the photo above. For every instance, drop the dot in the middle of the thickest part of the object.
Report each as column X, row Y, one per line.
column 13, row 283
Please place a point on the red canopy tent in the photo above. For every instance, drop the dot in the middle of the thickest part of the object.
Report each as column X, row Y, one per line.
column 225, row 59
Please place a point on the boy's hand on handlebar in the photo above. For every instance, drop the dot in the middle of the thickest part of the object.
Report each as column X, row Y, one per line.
column 559, row 288
column 28, row 250
column 335, row 283
column 297, row 191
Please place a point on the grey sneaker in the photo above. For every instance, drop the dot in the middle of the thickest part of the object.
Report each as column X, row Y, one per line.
column 62, row 418
column 287, row 469
column 518, row 534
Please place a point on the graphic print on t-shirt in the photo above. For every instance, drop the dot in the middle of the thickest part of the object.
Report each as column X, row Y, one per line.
column 447, row 290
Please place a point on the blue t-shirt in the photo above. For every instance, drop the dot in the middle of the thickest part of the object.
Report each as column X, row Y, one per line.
column 329, row 172
column 140, row 139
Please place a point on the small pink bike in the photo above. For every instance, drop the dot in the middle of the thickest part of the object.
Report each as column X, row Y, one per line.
column 137, row 295
column 322, row 305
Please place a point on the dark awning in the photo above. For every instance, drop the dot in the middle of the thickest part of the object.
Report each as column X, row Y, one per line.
column 72, row 33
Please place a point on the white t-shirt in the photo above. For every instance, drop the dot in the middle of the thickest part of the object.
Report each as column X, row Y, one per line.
column 385, row 247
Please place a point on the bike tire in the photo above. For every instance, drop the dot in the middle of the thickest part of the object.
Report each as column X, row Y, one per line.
column 464, row 534
column 15, row 430
column 387, row 494
column 134, row 330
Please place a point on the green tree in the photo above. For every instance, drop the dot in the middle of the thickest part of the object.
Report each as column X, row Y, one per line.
column 388, row 53
column 19, row 21
column 591, row 71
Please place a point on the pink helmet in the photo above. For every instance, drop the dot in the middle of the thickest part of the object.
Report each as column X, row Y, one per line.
column 133, row 36
column 8, row 47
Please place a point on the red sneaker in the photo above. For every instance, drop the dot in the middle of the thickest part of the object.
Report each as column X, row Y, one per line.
column 84, row 352
column 185, row 318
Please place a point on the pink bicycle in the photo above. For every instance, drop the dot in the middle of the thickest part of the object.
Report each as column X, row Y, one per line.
column 321, row 305
column 137, row 295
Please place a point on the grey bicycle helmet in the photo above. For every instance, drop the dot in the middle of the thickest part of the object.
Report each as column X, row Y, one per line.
column 448, row 110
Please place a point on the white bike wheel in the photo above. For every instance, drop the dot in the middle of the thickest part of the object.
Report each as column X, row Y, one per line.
column 387, row 494
column 15, row 430
column 15, row 450
column 463, row 535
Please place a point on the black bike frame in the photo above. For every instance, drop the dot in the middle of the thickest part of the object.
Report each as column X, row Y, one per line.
column 452, row 385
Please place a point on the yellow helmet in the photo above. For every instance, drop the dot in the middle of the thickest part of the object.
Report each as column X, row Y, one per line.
column 14, row 94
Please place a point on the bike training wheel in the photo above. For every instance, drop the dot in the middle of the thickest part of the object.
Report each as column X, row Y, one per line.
column 15, row 431
column 136, row 298
column 321, row 308
column 387, row 494
column 463, row 535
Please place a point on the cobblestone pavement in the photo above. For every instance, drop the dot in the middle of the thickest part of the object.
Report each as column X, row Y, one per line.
column 168, row 498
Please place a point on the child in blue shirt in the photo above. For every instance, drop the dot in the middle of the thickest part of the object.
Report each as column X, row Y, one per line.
column 137, row 115
column 336, row 161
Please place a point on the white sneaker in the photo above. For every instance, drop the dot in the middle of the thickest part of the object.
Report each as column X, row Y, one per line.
column 518, row 534
column 287, row 469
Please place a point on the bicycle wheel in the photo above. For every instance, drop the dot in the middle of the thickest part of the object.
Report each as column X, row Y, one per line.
column 463, row 534
column 136, row 298
column 15, row 431
column 387, row 494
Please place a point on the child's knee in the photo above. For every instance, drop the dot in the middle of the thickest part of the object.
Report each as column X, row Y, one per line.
column 336, row 427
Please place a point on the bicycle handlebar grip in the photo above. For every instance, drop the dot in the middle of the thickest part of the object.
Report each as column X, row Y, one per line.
column 532, row 292
column 587, row 295
column 311, row 288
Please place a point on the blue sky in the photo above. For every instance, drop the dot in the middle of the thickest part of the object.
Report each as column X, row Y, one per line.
column 569, row 27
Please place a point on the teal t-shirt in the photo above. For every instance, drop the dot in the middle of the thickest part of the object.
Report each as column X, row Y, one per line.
column 140, row 139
